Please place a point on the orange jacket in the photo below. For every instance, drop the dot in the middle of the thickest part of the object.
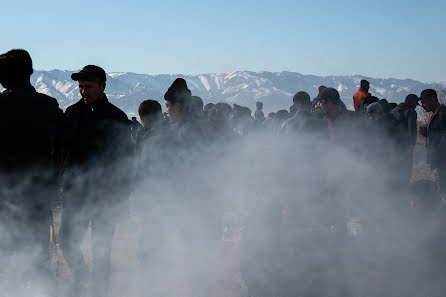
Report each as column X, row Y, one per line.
column 359, row 97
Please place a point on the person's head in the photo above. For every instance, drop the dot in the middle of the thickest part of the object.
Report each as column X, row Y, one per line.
column 223, row 109
column 282, row 115
column 92, row 81
column 259, row 105
column 365, row 85
column 366, row 102
column 177, row 98
column 301, row 101
column 374, row 111
column 321, row 88
column 412, row 100
column 429, row 100
column 331, row 103
column 149, row 112
column 16, row 68
column 385, row 105
column 196, row 106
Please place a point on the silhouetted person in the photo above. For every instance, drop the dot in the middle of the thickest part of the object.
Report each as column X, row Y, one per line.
column 31, row 125
column 362, row 93
column 196, row 106
column 301, row 100
column 95, row 182
column 152, row 164
column 242, row 121
column 436, row 136
column 258, row 114
column 219, row 122
column 185, row 125
column 341, row 122
column 405, row 118
column 365, row 103
column 151, row 138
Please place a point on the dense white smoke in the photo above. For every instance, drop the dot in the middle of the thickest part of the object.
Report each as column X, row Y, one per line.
column 264, row 215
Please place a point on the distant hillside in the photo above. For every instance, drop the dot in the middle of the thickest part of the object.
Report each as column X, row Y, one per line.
column 275, row 89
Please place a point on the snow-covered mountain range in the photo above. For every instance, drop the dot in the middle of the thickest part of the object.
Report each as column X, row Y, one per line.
column 274, row 89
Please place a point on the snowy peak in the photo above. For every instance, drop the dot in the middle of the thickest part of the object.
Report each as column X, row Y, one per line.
column 275, row 89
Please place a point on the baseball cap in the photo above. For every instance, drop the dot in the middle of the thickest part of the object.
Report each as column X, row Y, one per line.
column 90, row 73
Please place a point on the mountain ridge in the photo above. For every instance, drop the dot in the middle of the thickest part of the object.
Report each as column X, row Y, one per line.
column 275, row 89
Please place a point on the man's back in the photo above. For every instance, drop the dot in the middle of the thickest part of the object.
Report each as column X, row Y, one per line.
column 359, row 96
column 32, row 126
column 405, row 124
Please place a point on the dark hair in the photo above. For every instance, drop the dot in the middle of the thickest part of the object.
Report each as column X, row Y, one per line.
column 282, row 114
column 149, row 107
column 223, row 107
column 15, row 66
column 259, row 105
column 330, row 94
column 364, row 83
column 431, row 93
column 178, row 92
column 321, row 88
column 302, row 98
column 196, row 103
column 411, row 98
column 208, row 107
column 369, row 100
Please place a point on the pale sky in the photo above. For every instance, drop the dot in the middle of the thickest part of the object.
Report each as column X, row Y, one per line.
column 400, row 39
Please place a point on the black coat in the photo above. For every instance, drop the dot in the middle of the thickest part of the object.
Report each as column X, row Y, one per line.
column 405, row 124
column 436, row 140
column 98, row 134
column 32, row 127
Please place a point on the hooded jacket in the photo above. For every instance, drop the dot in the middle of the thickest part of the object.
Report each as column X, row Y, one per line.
column 406, row 124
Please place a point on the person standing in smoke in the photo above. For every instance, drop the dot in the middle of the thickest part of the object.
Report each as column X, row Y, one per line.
column 337, row 117
column 436, row 136
column 405, row 118
column 184, row 123
column 259, row 115
column 151, row 137
column 32, row 126
column 95, row 182
column 362, row 93
column 301, row 100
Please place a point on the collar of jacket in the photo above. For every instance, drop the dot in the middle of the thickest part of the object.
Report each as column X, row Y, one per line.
column 101, row 104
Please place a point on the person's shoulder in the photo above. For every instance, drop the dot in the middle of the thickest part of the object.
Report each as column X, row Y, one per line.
column 47, row 100
column 74, row 106
column 117, row 113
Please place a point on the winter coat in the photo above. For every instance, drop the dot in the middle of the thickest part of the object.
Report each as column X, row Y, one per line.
column 405, row 124
column 97, row 133
column 32, row 126
column 359, row 96
column 436, row 140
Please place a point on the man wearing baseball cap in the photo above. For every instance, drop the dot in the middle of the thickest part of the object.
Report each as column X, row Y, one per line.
column 99, row 137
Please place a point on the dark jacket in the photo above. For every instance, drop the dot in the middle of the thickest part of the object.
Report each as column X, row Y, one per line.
column 405, row 124
column 436, row 140
column 98, row 133
column 96, row 167
column 305, row 122
column 32, row 126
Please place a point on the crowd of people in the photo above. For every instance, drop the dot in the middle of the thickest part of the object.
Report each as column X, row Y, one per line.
column 96, row 160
